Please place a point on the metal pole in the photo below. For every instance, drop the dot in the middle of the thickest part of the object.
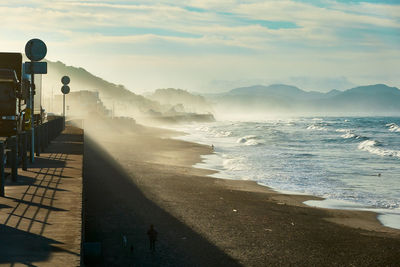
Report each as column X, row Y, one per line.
column 31, row 138
column 37, row 140
column 42, row 137
column 32, row 93
column 2, row 178
column 24, row 151
column 14, row 158
column 64, row 110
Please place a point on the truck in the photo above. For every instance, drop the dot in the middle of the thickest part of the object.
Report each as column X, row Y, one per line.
column 13, row 94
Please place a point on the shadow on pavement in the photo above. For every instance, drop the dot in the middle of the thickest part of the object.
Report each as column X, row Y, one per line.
column 22, row 180
column 2, row 206
column 114, row 206
column 48, row 163
column 21, row 247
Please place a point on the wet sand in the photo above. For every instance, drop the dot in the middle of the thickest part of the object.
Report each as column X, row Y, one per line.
column 136, row 179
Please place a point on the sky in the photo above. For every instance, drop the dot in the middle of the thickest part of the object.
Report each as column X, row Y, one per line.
column 213, row 46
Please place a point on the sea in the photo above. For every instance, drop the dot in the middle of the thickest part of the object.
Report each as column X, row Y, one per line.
column 351, row 162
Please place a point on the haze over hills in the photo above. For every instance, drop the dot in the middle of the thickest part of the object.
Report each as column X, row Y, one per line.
column 276, row 99
column 376, row 99
column 117, row 96
column 181, row 100
column 164, row 104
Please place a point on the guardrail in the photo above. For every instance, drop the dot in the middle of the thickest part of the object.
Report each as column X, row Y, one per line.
column 14, row 149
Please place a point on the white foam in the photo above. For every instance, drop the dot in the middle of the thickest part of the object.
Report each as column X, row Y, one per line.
column 249, row 140
column 348, row 135
column 393, row 127
column 333, row 204
column 203, row 129
column 234, row 164
column 342, row 130
column 372, row 147
column 316, row 127
column 223, row 134
column 389, row 218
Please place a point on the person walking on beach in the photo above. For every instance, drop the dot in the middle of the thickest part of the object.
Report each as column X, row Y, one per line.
column 152, row 237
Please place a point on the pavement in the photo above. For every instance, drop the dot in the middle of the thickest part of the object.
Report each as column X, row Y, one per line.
column 41, row 213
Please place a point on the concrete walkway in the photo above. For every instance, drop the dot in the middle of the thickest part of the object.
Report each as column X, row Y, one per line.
column 41, row 215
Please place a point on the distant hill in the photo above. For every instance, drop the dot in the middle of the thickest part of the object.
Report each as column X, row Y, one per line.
column 181, row 106
column 114, row 96
column 376, row 99
column 181, row 100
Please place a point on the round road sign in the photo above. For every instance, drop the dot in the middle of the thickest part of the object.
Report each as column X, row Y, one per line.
column 35, row 49
column 65, row 80
column 65, row 89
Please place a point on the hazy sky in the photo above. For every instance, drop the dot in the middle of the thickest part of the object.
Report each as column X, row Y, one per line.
column 204, row 45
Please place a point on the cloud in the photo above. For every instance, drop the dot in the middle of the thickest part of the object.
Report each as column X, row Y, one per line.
column 255, row 37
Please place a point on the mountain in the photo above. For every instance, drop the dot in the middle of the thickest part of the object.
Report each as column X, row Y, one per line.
column 116, row 97
column 376, row 99
column 275, row 89
column 181, row 100
column 166, row 105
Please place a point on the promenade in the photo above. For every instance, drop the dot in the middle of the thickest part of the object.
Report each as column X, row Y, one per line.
column 41, row 213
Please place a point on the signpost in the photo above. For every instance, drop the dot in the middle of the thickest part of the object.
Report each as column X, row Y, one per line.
column 36, row 67
column 35, row 50
column 65, row 90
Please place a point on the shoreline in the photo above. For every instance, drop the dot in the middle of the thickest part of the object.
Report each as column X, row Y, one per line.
column 313, row 201
column 233, row 222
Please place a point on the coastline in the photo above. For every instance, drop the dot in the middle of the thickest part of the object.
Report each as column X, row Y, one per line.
column 384, row 217
column 236, row 221
column 345, row 215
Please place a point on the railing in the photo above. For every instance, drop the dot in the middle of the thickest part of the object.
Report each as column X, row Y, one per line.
column 14, row 149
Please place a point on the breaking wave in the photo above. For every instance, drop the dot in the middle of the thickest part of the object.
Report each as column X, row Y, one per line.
column 233, row 164
column 216, row 133
column 223, row 134
column 393, row 127
column 348, row 134
column 249, row 140
column 374, row 147
column 316, row 127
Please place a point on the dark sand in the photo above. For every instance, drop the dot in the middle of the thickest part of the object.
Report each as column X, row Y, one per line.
column 204, row 221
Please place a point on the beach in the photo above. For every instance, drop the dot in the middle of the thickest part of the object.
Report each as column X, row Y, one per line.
column 136, row 178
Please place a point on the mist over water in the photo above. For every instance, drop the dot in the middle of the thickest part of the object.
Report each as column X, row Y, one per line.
column 353, row 160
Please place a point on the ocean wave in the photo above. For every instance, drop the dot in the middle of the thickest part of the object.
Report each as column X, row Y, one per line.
column 203, row 129
column 223, row 134
column 393, row 127
column 374, row 147
column 348, row 134
column 249, row 140
column 234, row 164
column 316, row 127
